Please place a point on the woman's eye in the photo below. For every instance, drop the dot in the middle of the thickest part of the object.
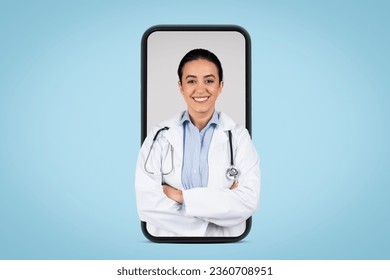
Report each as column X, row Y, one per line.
column 191, row 82
column 209, row 81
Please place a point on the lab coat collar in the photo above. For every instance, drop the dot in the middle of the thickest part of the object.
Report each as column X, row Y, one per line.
column 225, row 122
column 175, row 133
column 214, row 119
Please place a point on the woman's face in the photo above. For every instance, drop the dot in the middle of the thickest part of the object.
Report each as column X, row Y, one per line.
column 200, row 87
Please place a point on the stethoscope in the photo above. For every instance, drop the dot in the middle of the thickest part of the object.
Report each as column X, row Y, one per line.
column 231, row 173
column 150, row 150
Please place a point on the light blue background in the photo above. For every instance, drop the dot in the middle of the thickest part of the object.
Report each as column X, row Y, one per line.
column 70, row 128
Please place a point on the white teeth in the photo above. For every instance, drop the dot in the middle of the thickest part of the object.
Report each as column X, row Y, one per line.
column 200, row 99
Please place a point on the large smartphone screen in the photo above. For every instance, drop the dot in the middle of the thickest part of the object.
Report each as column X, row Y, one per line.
column 163, row 47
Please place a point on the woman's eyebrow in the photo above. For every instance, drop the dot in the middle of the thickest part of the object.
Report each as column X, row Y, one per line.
column 205, row 76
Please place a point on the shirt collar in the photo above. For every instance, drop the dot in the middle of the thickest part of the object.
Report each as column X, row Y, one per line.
column 214, row 118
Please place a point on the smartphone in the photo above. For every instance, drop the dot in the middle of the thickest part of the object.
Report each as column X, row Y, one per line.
column 162, row 48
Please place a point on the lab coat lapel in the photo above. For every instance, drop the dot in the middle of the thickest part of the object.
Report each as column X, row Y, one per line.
column 174, row 134
column 216, row 158
column 219, row 138
column 175, row 137
column 220, row 133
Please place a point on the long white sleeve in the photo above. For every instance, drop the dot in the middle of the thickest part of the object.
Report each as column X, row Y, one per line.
column 152, row 204
column 225, row 207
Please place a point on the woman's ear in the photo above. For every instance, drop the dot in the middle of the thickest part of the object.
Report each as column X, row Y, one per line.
column 221, row 83
column 180, row 87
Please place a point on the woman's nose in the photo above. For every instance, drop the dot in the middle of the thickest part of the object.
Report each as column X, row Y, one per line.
column 200, row 88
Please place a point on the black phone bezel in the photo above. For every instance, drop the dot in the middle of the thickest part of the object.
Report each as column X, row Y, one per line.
column 248, row 115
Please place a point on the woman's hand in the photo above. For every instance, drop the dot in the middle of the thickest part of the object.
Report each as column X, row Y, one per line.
column 172, row 193
column 234, row 186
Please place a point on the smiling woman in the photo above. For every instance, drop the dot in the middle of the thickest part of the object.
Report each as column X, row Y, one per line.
column 200, row 83
column 182, row 186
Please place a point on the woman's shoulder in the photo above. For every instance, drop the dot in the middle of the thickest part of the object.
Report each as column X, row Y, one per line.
column 227, row 123
column 240, row 133
column 172, row 122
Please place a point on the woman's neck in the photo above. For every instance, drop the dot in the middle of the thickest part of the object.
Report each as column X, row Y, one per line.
column 200, row 120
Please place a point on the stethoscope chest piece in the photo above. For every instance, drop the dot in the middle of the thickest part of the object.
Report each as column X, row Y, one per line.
column 232, row 173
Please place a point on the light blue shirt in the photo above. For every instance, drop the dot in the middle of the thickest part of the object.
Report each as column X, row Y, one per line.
column 195, row 170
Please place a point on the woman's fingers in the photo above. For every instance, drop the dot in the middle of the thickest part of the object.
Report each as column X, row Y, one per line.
column 234, row 186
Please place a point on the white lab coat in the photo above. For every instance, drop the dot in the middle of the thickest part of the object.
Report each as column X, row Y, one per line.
column 211, row 211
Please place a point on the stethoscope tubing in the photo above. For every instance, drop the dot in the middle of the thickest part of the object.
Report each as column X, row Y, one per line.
column 150, row 150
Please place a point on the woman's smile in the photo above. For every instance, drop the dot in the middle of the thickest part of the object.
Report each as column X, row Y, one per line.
column 201, row 99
